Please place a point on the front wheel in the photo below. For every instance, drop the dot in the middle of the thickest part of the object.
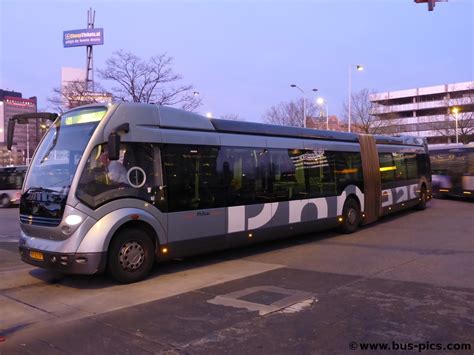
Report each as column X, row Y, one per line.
column 5, row 201
column 131, row 256
column 423, row 199
column 351, row 216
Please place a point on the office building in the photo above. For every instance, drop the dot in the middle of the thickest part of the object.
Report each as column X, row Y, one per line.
column 430, row 112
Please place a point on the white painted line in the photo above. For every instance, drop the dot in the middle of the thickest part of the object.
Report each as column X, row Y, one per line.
column 6, row 239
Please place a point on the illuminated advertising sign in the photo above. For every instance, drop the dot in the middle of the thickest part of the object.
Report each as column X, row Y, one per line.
column 86, row 37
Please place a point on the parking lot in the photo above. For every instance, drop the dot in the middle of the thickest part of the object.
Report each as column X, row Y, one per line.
column 407, row 279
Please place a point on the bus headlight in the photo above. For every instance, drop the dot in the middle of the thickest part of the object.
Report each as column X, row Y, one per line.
column 73, row 220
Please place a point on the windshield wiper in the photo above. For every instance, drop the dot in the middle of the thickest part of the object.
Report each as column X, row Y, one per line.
column 53, row 144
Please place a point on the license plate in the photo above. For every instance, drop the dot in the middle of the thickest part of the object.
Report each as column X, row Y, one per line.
column 36, row 255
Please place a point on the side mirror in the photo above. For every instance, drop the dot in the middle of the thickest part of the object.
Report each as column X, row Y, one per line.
column 11, row 129
column 113, row 146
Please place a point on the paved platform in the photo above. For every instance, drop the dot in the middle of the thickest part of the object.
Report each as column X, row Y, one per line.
column 406, row 279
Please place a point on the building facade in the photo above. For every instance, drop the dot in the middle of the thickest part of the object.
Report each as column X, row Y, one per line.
column 74, row 91
column 26, row 137
column 432, row 112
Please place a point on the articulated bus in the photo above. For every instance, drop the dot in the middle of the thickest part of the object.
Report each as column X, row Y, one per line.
column 119, row 186
column 453, row 170
column 11, row 181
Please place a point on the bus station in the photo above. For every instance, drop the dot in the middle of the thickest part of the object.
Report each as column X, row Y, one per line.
column 237, row 178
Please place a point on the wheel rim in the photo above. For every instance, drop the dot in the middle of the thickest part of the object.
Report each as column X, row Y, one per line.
column 423, row 197
column 5, row 201
column 131, row 256
column 351, row 216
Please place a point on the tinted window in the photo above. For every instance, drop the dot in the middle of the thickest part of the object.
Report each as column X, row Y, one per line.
column 320, row 166
column 387, row 167
column 412, row 168
column 423, row 163
column 135, row 174
column 11, row 179
column 192, row 177
column 348, row 169
column 247, row 175
column 400, row 172
column 288, row 181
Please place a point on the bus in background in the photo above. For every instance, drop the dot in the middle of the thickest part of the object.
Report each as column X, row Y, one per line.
column 11, row 181
column 116, row 187
column 453, row 170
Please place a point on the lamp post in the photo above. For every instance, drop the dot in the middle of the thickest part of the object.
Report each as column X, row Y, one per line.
column 455, row 110
column 27, row 144
column 320, row 101
column 304, row 101
column 359, row 68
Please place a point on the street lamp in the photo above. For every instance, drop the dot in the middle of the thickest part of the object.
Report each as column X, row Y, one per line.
column 358, row 68
column 456, row 110
column 304, row 101
column 320, row 101
column 209, row 115
column 195, row 93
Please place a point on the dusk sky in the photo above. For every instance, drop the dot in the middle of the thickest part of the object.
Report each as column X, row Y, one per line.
column 242, row 56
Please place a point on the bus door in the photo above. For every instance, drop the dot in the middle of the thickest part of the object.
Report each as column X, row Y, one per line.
column 372, row 184
column 195, row 199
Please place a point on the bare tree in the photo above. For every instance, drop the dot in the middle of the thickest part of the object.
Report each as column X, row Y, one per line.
column 75, row 94
column 465, row 124
column 232, row 116
column 362, row 116
column 148, row 81
column 290, row 113
column 463, row 112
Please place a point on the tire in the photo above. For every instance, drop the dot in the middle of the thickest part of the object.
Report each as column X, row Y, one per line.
column 351, row 216
column 5, row 201
column 131, row 256
column 423, row 199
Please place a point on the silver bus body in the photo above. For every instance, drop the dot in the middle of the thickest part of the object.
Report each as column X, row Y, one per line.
column 83, row 248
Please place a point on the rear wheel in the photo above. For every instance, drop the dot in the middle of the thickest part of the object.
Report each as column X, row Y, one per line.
column 5, row 201
column 423, row 199
column 131, row 256
column 351, row 216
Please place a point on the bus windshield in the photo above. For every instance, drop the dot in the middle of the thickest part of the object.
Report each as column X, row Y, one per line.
column 56, row 160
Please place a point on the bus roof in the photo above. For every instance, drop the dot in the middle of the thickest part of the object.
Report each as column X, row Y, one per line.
column 173, row 118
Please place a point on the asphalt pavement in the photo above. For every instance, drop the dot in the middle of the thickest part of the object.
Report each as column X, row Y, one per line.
column 405, row 281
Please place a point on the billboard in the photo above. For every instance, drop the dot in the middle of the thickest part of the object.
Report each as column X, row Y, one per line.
column 86, row 37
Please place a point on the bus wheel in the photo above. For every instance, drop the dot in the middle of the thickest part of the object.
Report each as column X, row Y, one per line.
column 131, row 256
column 5, row 201
column 423, row 198
column 350, row 216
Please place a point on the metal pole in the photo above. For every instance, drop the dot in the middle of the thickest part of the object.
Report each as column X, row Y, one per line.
column 456, row 117
column 27, row 144
column 349, row 108
column 304, row 110
column 327, row 117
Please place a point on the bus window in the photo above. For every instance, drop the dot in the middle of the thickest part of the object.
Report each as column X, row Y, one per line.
column 135, row 174
column 249, row 168
column 191, row 177
column 400, row 173
column 287, row 180
column 423, row 164
column 321, row 166
column 387, row 167
column 412, row 169
column 348, row 170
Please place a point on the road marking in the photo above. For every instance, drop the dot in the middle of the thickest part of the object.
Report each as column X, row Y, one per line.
column 8, row 239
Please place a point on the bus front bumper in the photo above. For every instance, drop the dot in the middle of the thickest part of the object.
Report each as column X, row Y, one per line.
column 75, row 263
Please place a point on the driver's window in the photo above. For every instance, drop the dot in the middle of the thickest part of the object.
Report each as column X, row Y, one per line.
column 135, row 174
